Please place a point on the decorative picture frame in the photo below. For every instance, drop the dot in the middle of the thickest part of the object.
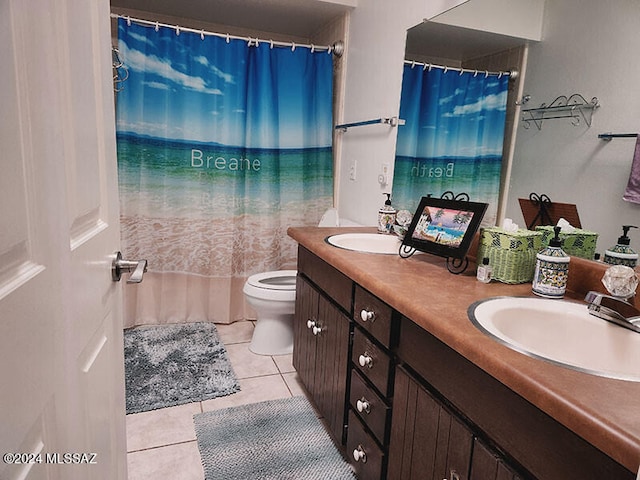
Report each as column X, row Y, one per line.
column 444, row 227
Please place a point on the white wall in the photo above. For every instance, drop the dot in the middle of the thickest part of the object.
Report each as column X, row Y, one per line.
column 589, row 47
column 516, row 18
column 375, row 49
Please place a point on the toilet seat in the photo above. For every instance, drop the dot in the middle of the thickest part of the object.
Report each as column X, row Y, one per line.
column 276, row 280
column 278, row 285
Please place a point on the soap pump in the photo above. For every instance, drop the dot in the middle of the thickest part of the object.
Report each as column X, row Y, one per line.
column 622, row 253
column 386, row 216
column 552, row 269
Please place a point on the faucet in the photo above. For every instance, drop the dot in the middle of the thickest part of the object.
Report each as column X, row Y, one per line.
column 613, row 309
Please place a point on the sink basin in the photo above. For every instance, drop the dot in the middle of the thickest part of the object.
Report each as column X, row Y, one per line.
column 560, row 332
column 366, row 242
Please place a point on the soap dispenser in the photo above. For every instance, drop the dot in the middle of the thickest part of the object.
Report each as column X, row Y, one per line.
column 552, row 269
column 622, row 253
column 386, row 216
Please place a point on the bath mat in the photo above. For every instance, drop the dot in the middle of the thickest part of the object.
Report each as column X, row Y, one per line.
column 167, row 365
column 272, row 440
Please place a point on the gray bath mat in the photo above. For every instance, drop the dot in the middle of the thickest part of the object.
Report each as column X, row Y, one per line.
column 167, row 365
column 272, row 440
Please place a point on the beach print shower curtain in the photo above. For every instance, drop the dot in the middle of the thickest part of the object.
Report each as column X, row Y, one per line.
column 452, row 139
column 222, row 146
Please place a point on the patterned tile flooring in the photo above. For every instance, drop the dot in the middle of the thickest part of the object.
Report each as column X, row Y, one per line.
column 161, row 444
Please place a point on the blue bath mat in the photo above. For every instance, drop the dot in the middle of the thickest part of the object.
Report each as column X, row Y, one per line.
column 273, row 440
column 167, row 365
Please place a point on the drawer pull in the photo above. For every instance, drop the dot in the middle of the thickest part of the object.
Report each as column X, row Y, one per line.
column 363, row 405
column 367, row 315
column 365, row 360
column 311, row 323
column 359, row 454
column 316, row 330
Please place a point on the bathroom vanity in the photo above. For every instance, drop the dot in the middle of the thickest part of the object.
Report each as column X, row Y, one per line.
column 410, row 389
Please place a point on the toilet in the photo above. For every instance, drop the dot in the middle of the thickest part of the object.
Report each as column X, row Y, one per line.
column 273, row 296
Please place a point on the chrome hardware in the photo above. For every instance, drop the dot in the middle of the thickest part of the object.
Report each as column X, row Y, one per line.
column 365, row 360
column 367, row 315
column 119, row 265
column 311, row 323
column 363, row 405
column 360, row 454
column 316, row 330
column 614, row 310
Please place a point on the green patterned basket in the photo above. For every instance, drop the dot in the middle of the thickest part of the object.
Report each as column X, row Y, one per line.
column 580, row 243
column 512, row 255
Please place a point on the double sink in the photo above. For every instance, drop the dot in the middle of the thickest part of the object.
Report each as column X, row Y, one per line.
column 557, row 331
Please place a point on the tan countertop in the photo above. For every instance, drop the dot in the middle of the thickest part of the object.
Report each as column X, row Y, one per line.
column 603, row 411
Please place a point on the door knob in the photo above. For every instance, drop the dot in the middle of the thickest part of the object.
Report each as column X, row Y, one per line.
column 119, row 265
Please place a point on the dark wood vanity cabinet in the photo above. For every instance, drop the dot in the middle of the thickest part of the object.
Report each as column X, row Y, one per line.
column 404, row 405
column 428, row 441
column 321, row 342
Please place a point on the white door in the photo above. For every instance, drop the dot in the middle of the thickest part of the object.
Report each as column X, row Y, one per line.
column 61, row 355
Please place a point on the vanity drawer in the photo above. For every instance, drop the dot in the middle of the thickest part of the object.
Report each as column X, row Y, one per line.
column 373, row 315
column 334, row 283
column 370, row 407
column 363, row 452
column 371, row 361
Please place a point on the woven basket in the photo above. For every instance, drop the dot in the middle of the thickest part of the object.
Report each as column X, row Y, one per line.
column 512, row 255
column 580, row 243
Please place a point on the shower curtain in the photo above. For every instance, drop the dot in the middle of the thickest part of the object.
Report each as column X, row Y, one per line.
column 222, row 146
column 453, row 136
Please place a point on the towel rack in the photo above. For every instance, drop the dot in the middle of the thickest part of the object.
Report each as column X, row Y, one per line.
column 574, row 107
column 609, row 136
column 393, row 121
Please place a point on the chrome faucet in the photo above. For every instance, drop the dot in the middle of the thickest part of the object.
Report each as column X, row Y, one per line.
column 613, row 309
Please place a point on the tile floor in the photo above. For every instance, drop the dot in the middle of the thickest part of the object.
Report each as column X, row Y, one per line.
column 161, row 444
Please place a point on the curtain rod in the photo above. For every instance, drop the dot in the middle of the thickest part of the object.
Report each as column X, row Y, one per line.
column 512, row 74
column 337, row 48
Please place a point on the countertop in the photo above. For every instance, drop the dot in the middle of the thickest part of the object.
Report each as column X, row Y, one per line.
column 604, row 412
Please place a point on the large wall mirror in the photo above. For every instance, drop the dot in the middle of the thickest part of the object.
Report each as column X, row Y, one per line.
column 584, row 48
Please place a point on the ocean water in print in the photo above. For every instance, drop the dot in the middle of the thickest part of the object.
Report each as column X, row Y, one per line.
column 189, row 206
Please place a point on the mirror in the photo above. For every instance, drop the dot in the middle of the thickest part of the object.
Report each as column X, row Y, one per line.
column 584, row 49
column 470, row 108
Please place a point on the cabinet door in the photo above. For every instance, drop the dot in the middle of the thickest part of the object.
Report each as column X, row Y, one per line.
column 427, row 441
column 321, row 354
column 332, row 358
column 487, row 465
column 304, row 343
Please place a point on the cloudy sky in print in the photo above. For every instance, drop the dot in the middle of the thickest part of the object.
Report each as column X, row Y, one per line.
column 207, row 90
column 449, row 114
